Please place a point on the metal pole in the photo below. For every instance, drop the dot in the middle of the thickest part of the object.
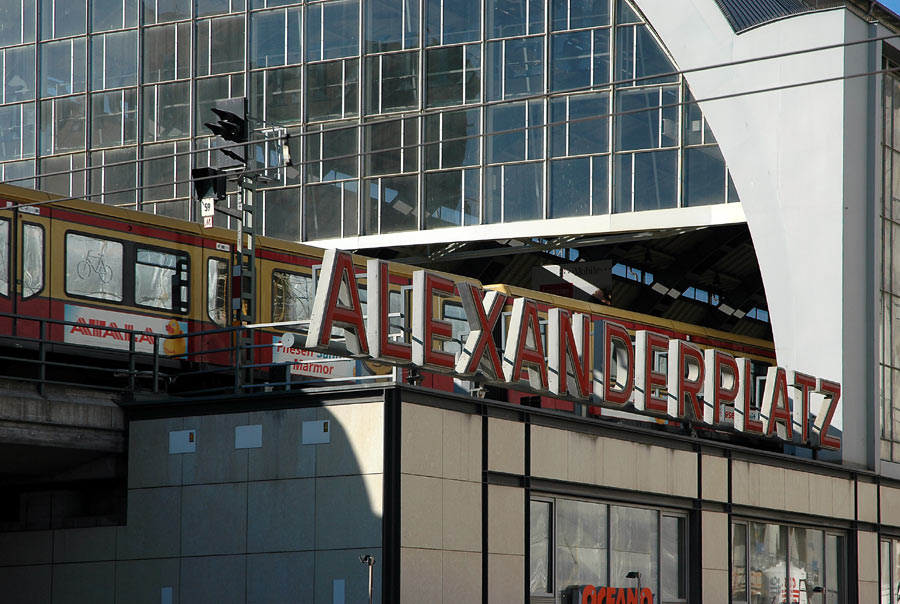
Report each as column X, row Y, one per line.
column 371, row 572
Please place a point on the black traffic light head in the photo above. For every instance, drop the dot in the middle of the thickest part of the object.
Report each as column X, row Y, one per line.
column 209, row 182
column 231, row 126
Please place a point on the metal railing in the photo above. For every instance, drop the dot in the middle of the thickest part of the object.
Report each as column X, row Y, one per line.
column 136, row 363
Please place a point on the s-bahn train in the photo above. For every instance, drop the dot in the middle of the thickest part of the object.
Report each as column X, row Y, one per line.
column 83, row 277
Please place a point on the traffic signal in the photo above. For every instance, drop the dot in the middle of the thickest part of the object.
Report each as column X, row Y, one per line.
column 209, row 183
column 232, row 127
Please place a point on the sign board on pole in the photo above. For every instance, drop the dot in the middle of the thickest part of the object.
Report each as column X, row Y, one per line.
column 207, row 208
column 207, row 222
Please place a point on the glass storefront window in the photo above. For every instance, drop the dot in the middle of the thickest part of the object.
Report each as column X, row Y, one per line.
column 786, row 565
column 540, row 530
column 577, row 543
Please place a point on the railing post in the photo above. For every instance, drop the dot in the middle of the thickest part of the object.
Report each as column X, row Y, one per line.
column 131, row 365
column 155, row 363
column 42, row 358
column 236, row 338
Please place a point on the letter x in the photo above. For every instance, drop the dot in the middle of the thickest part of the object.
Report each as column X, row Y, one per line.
column 482, row 312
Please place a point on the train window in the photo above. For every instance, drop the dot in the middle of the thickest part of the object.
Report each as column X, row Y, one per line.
column 32, row 260
column 4, row 257
column 160, row 278
column 291, row 296
column 93, row 267
column 216, row 288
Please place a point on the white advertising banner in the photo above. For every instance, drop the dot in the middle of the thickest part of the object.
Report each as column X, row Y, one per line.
column 97, row 327
column 310, row 362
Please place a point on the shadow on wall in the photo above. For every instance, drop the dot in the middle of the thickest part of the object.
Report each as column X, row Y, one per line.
column 260, row 507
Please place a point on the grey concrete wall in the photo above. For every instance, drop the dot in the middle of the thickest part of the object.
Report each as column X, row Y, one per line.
column 281, row 522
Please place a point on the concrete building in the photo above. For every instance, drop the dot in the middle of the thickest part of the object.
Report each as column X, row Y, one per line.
column 719, row 169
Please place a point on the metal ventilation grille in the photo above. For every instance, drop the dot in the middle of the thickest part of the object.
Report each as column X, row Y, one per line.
column 744, row 14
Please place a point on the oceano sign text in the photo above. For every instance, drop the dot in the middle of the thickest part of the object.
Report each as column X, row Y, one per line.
column 598, row 367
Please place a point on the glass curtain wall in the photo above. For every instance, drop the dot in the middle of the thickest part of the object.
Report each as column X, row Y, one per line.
column 889, row 334
column 405, row 114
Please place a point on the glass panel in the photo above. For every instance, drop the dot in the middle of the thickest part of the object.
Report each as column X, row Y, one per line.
column 393, row 82
column 216, row 290
column 166, row 52
column 451, row 198
column 768, row 559
column 16, row 131
column 332, row 154
column 398, row 202
column 93, row 267
column 282, row 214
column 62, row 67
column 391, row 25
column 625, row 13
column 509, row 121
column 523, row 188
column 649, row 179
column 18, row 20
column 575, row 14
column 61, row 18
column 291, row 296
column 704, row 176
column 114, row 60
column 672, row 558
column 649, row 120
column 220, row 45
column 167, row 111
column 4, row 257
column 570, row 187
column 113, row 14
column 580, row 126
column 452, row 22
column 275, row 95
column 324, row 204
column 113, row 118
column 162, row 11
column 18, row 78
column 581, row 544
column 641, row 58
column 455, row 139
column 116, row 181
column 507, row 18
column 332, row 89
column 332, row 30
column 885, row 574
column 161, row 174
column 806, row 570
column 570, row 64
column 634, row 546
column 267, row 32
column 153, row 278
column 579, row 59
column 19, row 173
column 62, row 125
column 391, row 147
column 516, row 68
column 444, row 76
column 738, row 563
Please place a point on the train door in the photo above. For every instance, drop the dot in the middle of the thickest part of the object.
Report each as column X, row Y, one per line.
column 216, row 302
column 31, row 272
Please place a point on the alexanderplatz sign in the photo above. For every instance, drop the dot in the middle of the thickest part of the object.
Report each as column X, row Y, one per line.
column 586, row 361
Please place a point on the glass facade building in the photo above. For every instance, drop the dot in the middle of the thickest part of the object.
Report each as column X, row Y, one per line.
column 404, row 114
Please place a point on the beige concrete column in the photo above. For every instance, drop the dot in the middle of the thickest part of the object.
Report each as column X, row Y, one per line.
column 714, row 557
